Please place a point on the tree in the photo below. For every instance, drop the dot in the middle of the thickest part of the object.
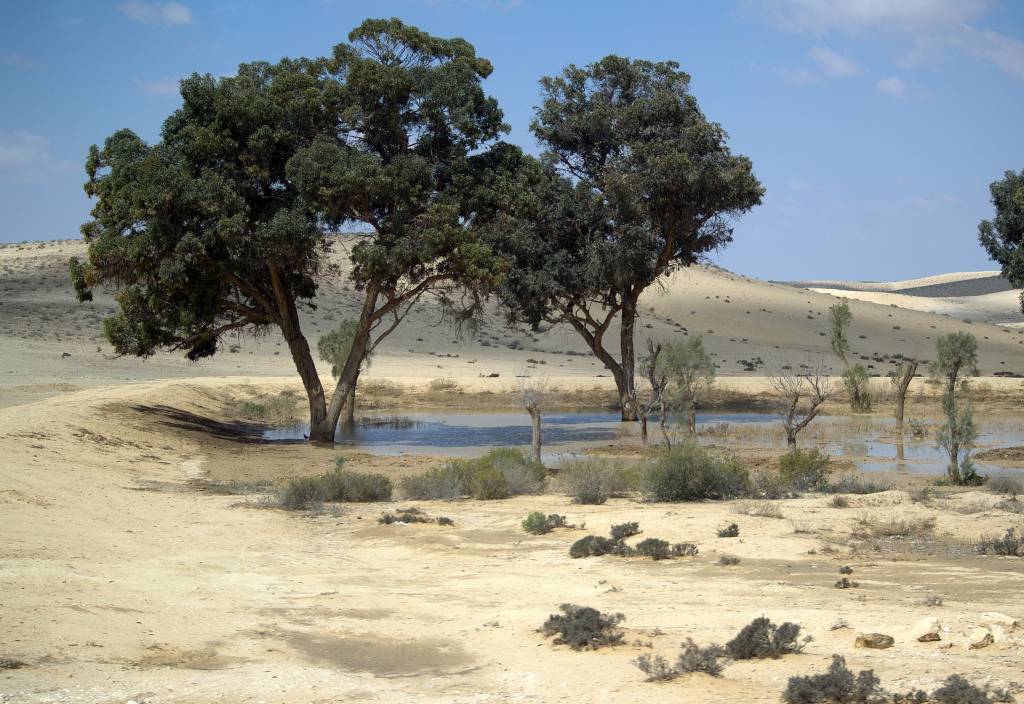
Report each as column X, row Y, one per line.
column 957, row 357
column 801, row 396
column 691, row 372
column 224, row 223
column 656, row 381
column 1003, row 236
column 855, row 378
column 634, row 184
column 900, row 379
column 202, row 233
column 532, row 392
column 334, row 348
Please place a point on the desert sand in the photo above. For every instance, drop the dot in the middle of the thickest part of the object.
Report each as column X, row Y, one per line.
column 127, row 576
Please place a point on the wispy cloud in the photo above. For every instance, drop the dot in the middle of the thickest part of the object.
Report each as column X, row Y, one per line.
column 160, row 86
column 832, row 63
column 165, row 13
column 930, row 26
column 27, row 157
column 21, row 61
column 891, row 85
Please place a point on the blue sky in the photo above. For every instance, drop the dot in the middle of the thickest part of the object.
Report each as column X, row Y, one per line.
column 875, row 125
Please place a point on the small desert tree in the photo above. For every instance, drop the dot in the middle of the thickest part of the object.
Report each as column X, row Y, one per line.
column 532, row 392
column 801, row 396
column 855, row 377
column 652, row 392
column 334, row 348
column 900, row 379
column 1003, row 236
column 636, row 183
column 956, row 358
column 691, row 374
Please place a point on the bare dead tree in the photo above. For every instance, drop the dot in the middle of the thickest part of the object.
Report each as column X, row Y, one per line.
column 651, row 393
column 801, row 395
column 532, row 393
column 900, row 380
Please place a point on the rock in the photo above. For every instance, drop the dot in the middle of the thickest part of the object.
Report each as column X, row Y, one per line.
column 980, row 637
column 874, row 640
column 993, row 618
column 926, row 630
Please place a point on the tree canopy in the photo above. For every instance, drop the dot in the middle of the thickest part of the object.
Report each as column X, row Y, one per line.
column 1003, row 236
column 634, row 183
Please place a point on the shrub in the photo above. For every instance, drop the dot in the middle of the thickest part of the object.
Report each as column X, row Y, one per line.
column 684, row 550
column 852, row 484
column 688, row 472
column 593, row 481
column 624, row 530
column 763, row 639
column 730, row 531
column 301, row 493
column 654, row 548
column 500, row 473
column 583, row 628
column 957, row 690
column 1011, row 545
column 761, row 509
column 656, row 668
column 728, row 560
column 867, row 527
column 1014, row 486
column 538, row 524
column 413, row 515
column 838, row 684
column 770, row 485
column 592, row 546
column 804, row 470
column 839, row 501
column 697, row 659
column 444, row 482
column 488, row 483
column 336, row 485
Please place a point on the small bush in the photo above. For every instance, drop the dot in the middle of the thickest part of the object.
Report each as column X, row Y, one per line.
column 437, row 483
column 805, row 470
column 770, row 485
column 730, row 531
column 1014, row 486
column 301, row 493
column 728, row 560
column 340, row 485
column 654, row 548
column 500, row 473
column 867, row 527
column 693, row 658
column 488, row 484
column 538, row 524
column 624, row 530
column 763, row 639
column 761, row 509
column 592, row 546
column 845, row 583
column 1010, row 545
column 957, row 690
column 583, row 628
column 838, row 684
column 445, row 384
column 413, row 515
column 593, row 481
column 852, row 484
column 839, row 501
column 684, row 550
column 656, row 668
column 688, row 472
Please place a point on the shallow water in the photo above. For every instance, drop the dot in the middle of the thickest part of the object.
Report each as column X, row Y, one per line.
column 867, row 442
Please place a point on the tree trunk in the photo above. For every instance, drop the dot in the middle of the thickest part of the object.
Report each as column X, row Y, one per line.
column 663, row 422
column 643, row 429
column 535, row 420
column 350, row 407
column 320, row 429
column 691, row 419
column 350, row 372
column 791, row 439
column 627, row 387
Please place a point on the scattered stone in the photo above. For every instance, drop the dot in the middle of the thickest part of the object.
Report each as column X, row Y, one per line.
column 874, row 640
column 993, row 618
column 926, row 630
column 980, row 637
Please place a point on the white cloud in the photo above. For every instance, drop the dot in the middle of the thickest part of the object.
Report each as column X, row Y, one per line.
column 931, row 26
column 161, row 86
column 166, row 13
column 832, row 63
column 26, row 157
column 893, row 86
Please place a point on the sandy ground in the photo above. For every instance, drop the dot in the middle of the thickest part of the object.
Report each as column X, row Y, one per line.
column 123, row 577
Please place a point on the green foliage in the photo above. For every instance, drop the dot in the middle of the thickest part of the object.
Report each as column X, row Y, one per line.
column 840, row 317
column 1003, row 236
column 536, row 523
column 730, row 531
column 690, row 372
column 334, row 346
column 594, row 480
column 592, row 546
column 654, row 548
column 957, row 357
column 583, row 628
column 857, row 383
column 621, row 531
column 500, row 473
column 763, row 639
column 413, row 515
column 805, row 470
column 336, row 485
column 689, row 472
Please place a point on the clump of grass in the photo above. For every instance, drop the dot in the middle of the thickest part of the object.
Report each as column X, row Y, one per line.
column 276, row 409
column 728, row 560
column 899, row 528
column 500, row 473
column 852, row 484
column 839, row 501
column 1011, row 505
column 592, row 546
column 413, row 515
column 1010, row 545
column 444, row 385
column 583, row 628
column 595, row 480
column 689, row 472
column 536, row 523
column 693, row 658
column 804, row 470
column 655, row 548
column 730, row 531
column 761, row 509
column 1002, row 484
column 337, row 485
column 761, row 639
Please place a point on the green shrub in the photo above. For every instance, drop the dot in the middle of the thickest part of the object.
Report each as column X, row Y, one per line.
column 728, row 560
column 444, row 482
column 763, row 639
column 622, row 531
column 656, row 668
column 684, row 550
column 1010, row 545
column 584, row 628
column 1014, row 486
column 301, row 493
column 838, row 684
column 336, row 485
column 500, row 473
column 594, row 481
column 592, row 546
column 536, row 523
column 804, row 470
column 688, row 472
column 487, row 484
column 852, row 484
column 730, row 531
column 654, row 548
column 770, row 485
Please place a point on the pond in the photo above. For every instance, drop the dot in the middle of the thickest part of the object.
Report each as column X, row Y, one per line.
column 867, row 441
